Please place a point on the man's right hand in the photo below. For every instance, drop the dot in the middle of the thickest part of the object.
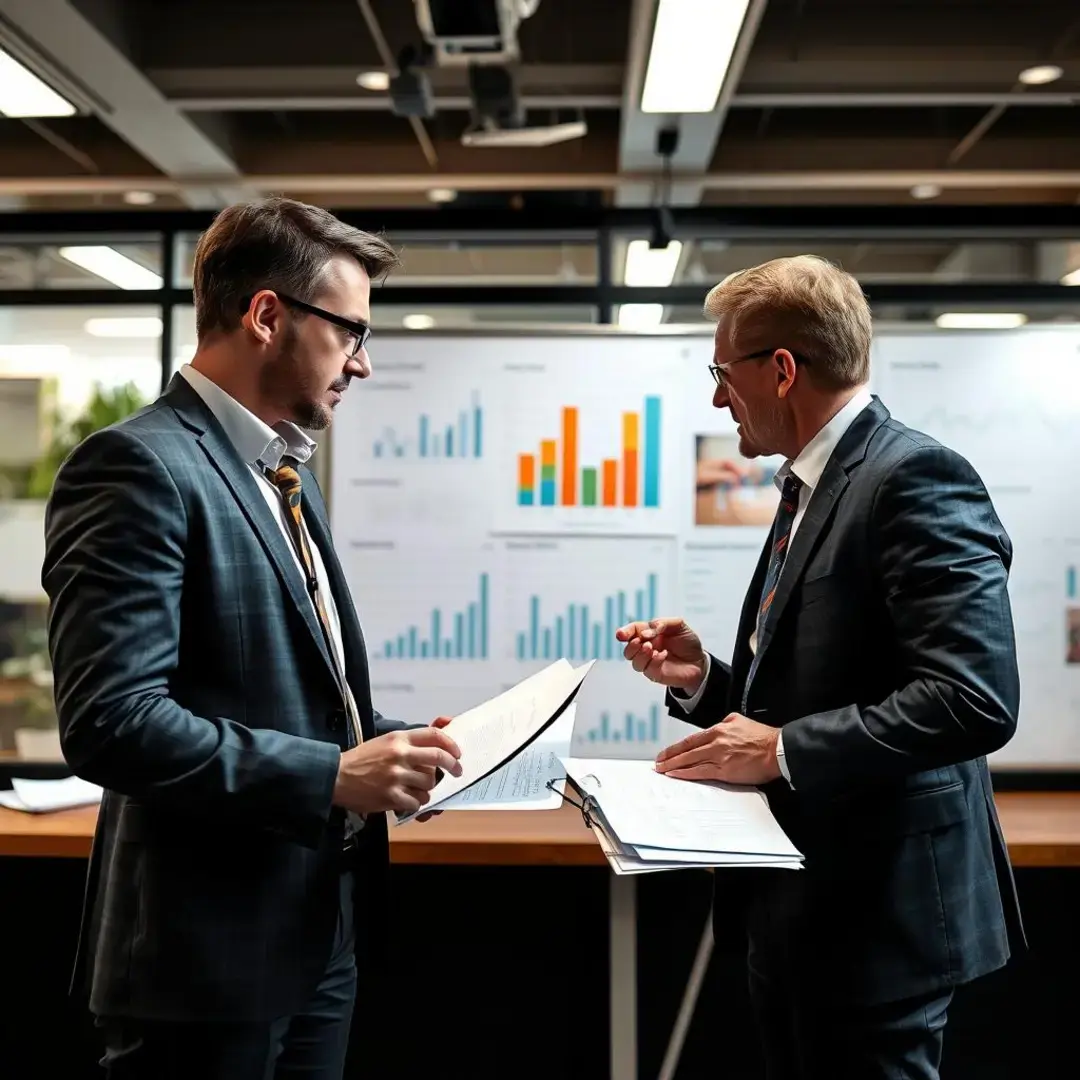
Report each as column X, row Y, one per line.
column 666, row 651
column 395, row 771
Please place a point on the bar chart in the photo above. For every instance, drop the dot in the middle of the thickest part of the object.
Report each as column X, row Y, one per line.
column 627, row 727
column 555, row 475
column 1070, row 582
column 462, row 437
column 446, row 634
column 581, row 631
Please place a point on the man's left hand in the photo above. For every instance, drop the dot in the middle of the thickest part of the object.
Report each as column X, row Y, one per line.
column 738, row 750
column 439, row 721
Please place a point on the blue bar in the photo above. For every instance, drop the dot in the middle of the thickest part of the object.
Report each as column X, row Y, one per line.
column 424, row 649
column 547, row 492
column 412, row 642
column 521, row 647
column 400, row 646
column 534, row 626
column 584, row 631
column 1071, row 581
column 558, row 635
column 609, row 627
column 477, row 425
column 378, row 449
column 449, row 442
column 423, row 435
column 622, row 608
column 459, row 636
column 655, row 720
column 399, row 451
column 596, row 641
column 448, row 648
column 570, row 618
column 388, row 650
column 547, row 642
column 525, row 498
column 436, row 618
column 463, row 434
column 604, row 726
column 652, row 597
column 483, row 616
column 641, row 731
column 652, row 451
column 639, row 604
column 629, row 727
column 436, row 445
column 472, row 631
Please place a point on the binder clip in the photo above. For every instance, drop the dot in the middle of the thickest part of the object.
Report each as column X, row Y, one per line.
column 588, row 805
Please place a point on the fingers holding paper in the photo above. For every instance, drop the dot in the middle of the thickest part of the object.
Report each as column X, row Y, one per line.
column 738, row 750
column 665, row 651
column 437, row 775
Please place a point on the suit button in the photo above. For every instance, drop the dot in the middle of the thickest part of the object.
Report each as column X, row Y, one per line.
column 336, row 720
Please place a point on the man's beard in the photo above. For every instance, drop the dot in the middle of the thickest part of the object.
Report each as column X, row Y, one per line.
column 283, row 380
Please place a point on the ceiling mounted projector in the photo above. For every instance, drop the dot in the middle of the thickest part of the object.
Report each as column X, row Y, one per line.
column 464, row 32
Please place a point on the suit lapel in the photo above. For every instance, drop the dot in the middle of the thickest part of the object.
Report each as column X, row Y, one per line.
column 245, row 490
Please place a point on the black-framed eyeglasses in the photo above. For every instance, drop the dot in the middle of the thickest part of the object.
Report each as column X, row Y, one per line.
column 719, row 371
column 359, row 332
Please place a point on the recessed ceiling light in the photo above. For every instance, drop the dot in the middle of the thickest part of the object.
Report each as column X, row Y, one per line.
column 23, row 94
column 981, row 320
column 1040, row 75
column 1072, row 277
column 107, row 263
column 378, row 81
column 121, row 327
column 651, row 266
column 926, row 191
column 139, row 198
column 442, row 195
column 418, row 322
column 640, row 316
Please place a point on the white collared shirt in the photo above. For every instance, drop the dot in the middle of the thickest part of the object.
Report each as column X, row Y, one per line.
column 808, row 467
column 260, row 445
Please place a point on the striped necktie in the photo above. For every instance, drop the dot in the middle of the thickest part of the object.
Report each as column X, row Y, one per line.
column 287, row 480
column 781, row 536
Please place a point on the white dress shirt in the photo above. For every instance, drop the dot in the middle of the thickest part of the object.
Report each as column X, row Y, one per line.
column 260, row 445
column 808, row 467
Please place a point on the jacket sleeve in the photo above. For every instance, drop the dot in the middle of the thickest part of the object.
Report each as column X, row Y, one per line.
column 941, row 559
column 115, row 541
column 710, row 704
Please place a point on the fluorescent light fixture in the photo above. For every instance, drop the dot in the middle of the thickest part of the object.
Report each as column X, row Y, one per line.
column 378, row 81
column 980, row 320
column 418, row 322
column 651, row 266
column 926, row 191
column 692, row 46
column 1040, row 75
column 23, row 94
column 109, row 264
column 1072, row 277
column 640, row 316
column 26, row 361
column 121, row 327
column 139, row 198
column 442, row 195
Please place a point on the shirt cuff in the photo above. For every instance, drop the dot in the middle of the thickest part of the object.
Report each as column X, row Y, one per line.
column 689, row 704
column 781, row 759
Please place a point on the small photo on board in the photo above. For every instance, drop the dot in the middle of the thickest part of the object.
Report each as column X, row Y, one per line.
column 730, row 489
column 1072, row 640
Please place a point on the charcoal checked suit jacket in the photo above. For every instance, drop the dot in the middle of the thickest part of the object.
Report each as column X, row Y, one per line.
column 888, row 659
column 193, row 683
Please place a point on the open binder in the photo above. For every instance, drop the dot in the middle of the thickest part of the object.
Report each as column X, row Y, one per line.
column 647, row 822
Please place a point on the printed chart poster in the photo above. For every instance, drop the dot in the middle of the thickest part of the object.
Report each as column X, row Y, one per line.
column 412, row 445
column 591, row 441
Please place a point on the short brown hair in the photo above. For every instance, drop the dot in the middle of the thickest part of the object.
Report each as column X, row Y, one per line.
column 274, row 243
column 803, row 303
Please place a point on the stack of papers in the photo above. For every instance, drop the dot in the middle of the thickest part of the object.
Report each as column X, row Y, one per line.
column 646, row 821
column 41, row 796
column 502, row 760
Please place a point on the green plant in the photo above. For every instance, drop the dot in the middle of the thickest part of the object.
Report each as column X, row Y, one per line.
column 105, row 407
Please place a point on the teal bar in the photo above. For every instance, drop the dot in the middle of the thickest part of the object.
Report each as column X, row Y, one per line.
column 521, row 646
column 483, row 616
column 558, row 636
column 412, row 642
column 459, row 636
column 596, row 641
column 388, row 650
column 572, row 621
column 547, row 642
column 436, row 618
column 651, row 470
column 472, row 631
column 585, row 632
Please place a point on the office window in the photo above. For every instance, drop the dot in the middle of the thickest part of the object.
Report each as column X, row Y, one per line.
column 80, row 262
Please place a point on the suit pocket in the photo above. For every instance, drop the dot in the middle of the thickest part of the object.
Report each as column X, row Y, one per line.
column 914, row 813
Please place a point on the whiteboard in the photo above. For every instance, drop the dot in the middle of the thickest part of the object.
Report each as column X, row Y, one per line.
column 499, row 500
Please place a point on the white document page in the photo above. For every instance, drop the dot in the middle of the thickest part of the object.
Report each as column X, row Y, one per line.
column 492, row 733
column 42, row 796
column 521, row 784
column 644, row 807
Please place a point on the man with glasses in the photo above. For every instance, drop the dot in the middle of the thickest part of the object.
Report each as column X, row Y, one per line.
column 873, row 671
column 211, row 676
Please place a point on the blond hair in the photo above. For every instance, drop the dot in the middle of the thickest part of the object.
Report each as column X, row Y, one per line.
column 805, row 304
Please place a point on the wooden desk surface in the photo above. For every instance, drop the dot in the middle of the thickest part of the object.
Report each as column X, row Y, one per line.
column 1042, row 829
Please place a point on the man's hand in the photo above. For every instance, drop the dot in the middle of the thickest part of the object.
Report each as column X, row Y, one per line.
column 712, row 472
column 438, row 722
column 666, row 651
column 737, row 750
column 394, row 771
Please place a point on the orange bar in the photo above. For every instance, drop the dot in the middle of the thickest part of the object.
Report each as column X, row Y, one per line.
column 610, row 481
column 569, row 461
column 630, row 459
column 526, row 472
column 547, row 454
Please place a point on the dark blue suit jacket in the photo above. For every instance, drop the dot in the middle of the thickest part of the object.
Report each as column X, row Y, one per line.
column 194, row 685
column 888, row 658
